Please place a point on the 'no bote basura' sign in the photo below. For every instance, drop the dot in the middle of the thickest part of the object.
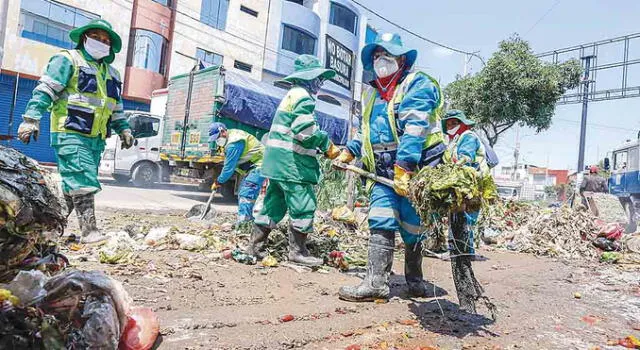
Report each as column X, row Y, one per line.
column 340, row 59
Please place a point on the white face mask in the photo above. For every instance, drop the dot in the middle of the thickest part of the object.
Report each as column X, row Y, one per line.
column 384, row 66
column 96, row 49
column 454, row 130
column 221, row 141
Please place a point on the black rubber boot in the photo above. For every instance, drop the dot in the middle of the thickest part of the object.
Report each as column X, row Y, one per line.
column 258, row 241
column 298, row 252
column 416, row 286
column 376, row 283
column 69, row 200
column 85, row 208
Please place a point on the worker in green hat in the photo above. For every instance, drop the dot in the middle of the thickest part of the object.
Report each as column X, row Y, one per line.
column 291, row 164
column 83, row 92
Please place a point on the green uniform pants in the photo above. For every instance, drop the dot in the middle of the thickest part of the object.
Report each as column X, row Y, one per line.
column 282, row 196
column 78, row 167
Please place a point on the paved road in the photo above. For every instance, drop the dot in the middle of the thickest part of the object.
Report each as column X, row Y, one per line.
column 163, row 197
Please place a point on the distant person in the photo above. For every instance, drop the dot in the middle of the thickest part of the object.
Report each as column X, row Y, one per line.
column 83, row 93
column 243, row 155
column 592, row 183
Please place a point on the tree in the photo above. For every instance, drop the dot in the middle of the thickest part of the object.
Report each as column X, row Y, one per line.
column 515, row 87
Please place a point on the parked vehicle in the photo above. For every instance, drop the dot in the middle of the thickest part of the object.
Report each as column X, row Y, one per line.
column 139, row 163
column 625, row 180
column 197, row 99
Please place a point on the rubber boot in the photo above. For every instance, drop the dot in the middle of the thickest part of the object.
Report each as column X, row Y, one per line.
column 258, row 241
column 416, row 286
column 85, row 208
column 376, row 283
column 298, row 252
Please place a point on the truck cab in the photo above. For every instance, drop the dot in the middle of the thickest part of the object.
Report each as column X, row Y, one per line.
column 139, row 163
column 625, row 180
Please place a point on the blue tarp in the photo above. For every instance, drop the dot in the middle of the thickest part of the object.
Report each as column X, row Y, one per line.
column 254, row 103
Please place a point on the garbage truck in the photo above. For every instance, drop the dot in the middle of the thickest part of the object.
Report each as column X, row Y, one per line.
column 202, row 96
column 625, row 179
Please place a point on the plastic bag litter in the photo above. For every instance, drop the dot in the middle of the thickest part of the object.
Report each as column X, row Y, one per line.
column 190, row 242
column 119, row 249
column 141, row 330
column 28, row 286
column 101, row 329
column 156, row 235
column 343, row 214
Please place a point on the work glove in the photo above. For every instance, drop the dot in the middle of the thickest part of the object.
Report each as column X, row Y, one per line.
column 401, row 178
column 127, row 139
column 332, row 152
column 27, row 128
column 345, row 157
column 215, row 186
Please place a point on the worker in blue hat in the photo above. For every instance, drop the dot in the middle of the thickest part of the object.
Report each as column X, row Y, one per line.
column 243, row 155
column 399, row 133
column 83, row 93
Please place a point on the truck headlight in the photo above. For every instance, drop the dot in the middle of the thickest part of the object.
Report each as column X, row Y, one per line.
column 109, row 154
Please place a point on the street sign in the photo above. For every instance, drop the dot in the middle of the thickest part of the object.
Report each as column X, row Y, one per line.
column 340, row 59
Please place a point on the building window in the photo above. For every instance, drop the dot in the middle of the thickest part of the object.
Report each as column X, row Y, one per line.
column 242, row 66
column 299, row 2
column 148, row 50
column 298, row 41
column 50, row 22
column 249, row 11
column 214, row 13
column 344, row 18
column 209, row 57
column 166, row 3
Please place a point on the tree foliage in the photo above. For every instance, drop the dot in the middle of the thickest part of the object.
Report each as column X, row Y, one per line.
column 515, row 87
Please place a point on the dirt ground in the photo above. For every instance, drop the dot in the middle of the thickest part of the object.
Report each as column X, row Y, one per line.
column 206, row 302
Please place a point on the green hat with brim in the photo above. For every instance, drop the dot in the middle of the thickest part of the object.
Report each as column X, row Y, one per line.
column 392, row 43
column 456, row 114
column 308, row 67
column 116, row 41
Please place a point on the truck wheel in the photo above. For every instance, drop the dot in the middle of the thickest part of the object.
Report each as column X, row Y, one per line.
column 144, row 175
column 121, row 179
column 631, row 215
column 227, row 191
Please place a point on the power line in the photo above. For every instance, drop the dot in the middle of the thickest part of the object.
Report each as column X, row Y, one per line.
column 542, row 17
column 474, row 54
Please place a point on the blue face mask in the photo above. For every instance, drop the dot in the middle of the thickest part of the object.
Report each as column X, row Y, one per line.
column 313, row 86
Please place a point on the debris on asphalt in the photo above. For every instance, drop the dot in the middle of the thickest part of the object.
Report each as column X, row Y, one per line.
column 156, row 235
column 190, row 242
column 119, row 249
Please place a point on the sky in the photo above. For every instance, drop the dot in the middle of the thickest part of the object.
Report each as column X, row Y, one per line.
column 472, row 26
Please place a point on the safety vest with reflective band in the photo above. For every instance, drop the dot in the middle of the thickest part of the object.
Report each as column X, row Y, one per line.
column 253, row 149
column 480, row 160
column 88, row 100
column 369, row 96
column 294, row 141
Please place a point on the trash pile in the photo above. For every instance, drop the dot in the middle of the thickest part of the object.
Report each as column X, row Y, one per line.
column 436, row 192
column 73, row 310
column 31, row 207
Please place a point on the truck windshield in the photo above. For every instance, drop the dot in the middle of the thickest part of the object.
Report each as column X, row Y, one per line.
column 620, row 160
column 144, row 125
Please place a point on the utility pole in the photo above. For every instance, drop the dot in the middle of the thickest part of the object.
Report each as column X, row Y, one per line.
column 516, row 154
column 585, row 104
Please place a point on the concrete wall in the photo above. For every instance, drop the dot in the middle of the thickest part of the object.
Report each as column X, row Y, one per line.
column 242, row 39
column 31, row 57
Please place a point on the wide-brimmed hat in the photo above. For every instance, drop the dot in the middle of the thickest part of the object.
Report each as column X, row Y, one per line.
column 308, row 67
column 116, row 41
column 456, row 114
column 215, row 129
column 390, row 42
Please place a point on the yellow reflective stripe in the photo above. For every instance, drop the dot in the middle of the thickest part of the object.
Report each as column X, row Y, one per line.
column 290, row 146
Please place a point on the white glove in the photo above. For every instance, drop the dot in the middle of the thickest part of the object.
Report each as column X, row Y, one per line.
column 127, row 139
column 27, row 128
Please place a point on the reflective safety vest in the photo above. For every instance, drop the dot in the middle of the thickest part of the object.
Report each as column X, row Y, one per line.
column 253, row 149
column 89, row 98
column 480, row 159
column 369, row 98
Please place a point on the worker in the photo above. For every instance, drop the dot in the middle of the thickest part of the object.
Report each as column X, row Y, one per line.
column 591, row 183
column 242, row 154
column 83, row 92
column 291, row 164
column 464, row 147
column 399, row 133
